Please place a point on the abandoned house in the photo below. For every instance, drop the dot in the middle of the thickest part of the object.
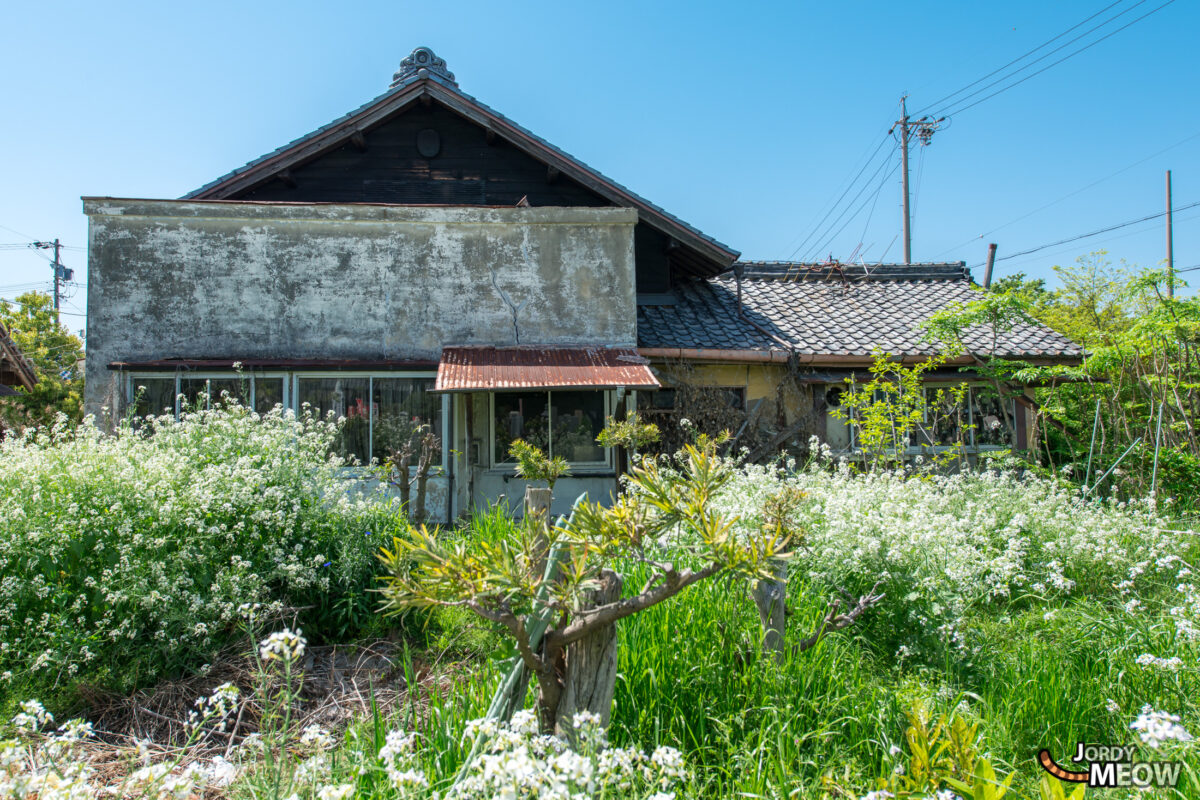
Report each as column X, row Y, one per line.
column 425, row 260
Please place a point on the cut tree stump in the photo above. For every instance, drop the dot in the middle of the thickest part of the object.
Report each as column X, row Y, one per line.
column 591, row 666
column 771, row 598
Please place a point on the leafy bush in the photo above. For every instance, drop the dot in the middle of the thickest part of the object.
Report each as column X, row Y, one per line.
column 126, row 557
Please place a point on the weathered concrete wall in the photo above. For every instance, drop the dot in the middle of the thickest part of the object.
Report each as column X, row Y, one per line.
column 185, row 279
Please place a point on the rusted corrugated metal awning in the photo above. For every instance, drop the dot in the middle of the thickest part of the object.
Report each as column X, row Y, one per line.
column 483, row 369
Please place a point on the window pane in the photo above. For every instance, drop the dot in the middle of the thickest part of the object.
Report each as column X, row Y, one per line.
column 402, row 406
column 267, row 393
column 519, row 415
column 195, row 394
column 993, row 426
column 153, row 396
column 345, row 397
column 578, row 417
column 945, row 418
column 236, row 388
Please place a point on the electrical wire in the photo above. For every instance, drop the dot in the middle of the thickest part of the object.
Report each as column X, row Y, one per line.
column 825, row 237
column 1104, row 242
column 870, row 160
column 1118, row 226
column 1069, row 195
column 831, row 237
column 1019, row 58
column 1088, row 46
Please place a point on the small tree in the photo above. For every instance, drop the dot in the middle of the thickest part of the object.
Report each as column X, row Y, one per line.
column 397, row 468
column 630, row 433
column 533, row 465
column 562, row 618
column 55, row 354
column 892, row 411
column 974, row 329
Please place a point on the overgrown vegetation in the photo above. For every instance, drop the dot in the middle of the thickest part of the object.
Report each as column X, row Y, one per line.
column 56, row 355
column 1143, row 366
column 125, row 558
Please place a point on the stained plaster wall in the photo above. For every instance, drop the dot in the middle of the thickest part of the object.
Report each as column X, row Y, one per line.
column 180, row 279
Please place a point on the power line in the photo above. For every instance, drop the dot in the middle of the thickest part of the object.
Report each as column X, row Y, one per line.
column 1054, row 63
column 1069, row 195
column 15, row 303
column 1105, row 242
column 824, row 237
column 870, row 160
column 828, row 239
column 1094, row 233
column 1017, row 59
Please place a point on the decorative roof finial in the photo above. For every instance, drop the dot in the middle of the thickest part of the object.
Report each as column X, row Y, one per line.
column 422, row 63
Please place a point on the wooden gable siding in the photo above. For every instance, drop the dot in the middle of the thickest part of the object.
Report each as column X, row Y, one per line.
column 466, row 171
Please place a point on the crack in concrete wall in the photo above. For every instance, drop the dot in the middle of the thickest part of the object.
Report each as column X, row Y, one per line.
column 514, row 308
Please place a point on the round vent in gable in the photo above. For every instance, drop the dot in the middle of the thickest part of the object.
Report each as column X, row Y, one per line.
column 429, row 144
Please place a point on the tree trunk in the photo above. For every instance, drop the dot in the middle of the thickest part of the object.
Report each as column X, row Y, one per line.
column 537, row 504
column 403, row 484
column 590, row 670
column 771, row 598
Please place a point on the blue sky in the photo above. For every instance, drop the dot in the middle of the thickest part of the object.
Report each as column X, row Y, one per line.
column 747, row 120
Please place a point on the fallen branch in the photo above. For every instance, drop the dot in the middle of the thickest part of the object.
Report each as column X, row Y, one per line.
column 835, row 621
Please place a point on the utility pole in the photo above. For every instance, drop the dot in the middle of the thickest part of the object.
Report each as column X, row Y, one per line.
column 57, row 276
column 904, row 170
column 1170, row 243
column 924, row 129
column 61, row 273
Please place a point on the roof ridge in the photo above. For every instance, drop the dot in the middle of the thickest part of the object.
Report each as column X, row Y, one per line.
column 405, row 80
column 803, row 271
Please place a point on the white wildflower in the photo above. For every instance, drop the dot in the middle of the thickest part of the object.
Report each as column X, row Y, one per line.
column 1157, row 727
column 284, row 645
column 341, row 792
column 315, row 737
column 32, row 716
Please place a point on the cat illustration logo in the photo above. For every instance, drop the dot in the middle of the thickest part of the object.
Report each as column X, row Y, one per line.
column 1110, row 766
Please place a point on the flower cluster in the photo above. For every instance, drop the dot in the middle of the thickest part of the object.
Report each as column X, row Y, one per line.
column 216, row 707
column 131, row 553
column 1158, row 727
column 516, row 762
column 54, row 766
column 285, row 645
column 1171, row 664
column 942, row 544
column 33, row 716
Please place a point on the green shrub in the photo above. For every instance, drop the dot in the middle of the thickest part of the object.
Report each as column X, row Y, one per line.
column 126, row 557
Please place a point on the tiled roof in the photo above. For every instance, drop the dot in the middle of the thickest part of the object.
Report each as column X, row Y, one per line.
column 821, row 310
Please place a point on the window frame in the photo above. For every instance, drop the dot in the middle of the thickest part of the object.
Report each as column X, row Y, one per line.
column 291, row 393
column 179, row 375
column 578, row 468
column 911, row 449
column 444, row 406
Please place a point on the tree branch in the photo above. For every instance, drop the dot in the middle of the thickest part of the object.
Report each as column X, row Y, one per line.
column 516, row 627
column 590, row 619
column 834, row 621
